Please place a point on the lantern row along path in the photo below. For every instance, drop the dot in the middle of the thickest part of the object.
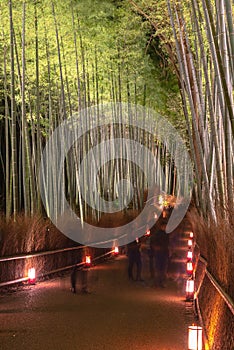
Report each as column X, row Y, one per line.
column 116, row 314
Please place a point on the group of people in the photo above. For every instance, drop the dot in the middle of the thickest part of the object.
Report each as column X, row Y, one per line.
column 158, row 253
column 156, row 243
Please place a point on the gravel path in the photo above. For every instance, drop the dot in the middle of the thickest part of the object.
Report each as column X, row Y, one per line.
column 116, row 314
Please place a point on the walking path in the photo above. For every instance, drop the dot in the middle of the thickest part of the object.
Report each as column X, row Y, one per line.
column 117, row 314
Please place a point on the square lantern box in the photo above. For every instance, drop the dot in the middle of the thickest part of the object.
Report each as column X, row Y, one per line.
column 31, row 275
column 88, row 260
column 190, row 243
column 194, row 337
column 189, row 267
column 190, row 289
column 190, row 255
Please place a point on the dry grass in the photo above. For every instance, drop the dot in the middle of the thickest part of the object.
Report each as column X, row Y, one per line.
column 29, row 234
column 216, row 243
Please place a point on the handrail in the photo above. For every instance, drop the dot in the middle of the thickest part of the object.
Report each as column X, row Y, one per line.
column 222, row 293
column 23, row 279
column 198, row 310
column 203, row 275
column 7, row 283
column 32, row 255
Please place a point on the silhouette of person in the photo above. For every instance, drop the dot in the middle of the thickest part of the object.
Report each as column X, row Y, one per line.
column 134, row 258
column 82, row 276
column 160, row 248
column 73, row 279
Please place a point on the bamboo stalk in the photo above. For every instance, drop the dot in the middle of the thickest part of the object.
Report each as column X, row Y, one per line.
column 13, row 120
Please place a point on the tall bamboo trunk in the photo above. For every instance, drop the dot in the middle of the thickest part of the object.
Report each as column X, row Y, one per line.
column 7, row 141
column 15, row 190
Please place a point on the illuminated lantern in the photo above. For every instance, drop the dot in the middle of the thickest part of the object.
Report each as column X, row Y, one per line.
column 87, row 260
column 147, row 233
column 189, row 255
column 116, row 250
column 194, row 337
column 189, row 267
column 31, row 275
column 190, row 242
column 189, row 289
column 191, row 234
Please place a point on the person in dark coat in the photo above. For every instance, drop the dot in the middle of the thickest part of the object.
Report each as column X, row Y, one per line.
column 73, row 279
column 160, row 248
column 80, row 274
column 134, row 258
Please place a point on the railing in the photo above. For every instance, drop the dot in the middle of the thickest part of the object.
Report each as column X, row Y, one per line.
column 34, row 255
column 220, row 290
column 223, row 294
column 28, row 256
column 227, row 299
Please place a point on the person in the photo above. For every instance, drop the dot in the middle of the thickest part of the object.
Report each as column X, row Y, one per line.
column 84, row 280
column 150, row 254
column 83, row 277
column 73, row 279
column 160, row 248
column 134, row 259
column 80, row 273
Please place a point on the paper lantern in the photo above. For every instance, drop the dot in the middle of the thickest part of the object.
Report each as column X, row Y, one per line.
column 87, row 260
column 31, row 275
column 191, row 234
column 189, row 289
column 116, row 250
column 189, row 267
column 189, row 255
column 190, row 242
column 194, row 337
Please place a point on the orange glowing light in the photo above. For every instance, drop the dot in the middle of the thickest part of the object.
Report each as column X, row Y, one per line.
column 88, row 260
column 116, row 250
column 194, row 337
column 191, row 234
column 147, row 233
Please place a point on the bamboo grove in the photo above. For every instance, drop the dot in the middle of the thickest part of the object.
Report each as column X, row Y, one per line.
column 60, row 58
column 207, row 86
column 51, row 69
column 199, row 43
